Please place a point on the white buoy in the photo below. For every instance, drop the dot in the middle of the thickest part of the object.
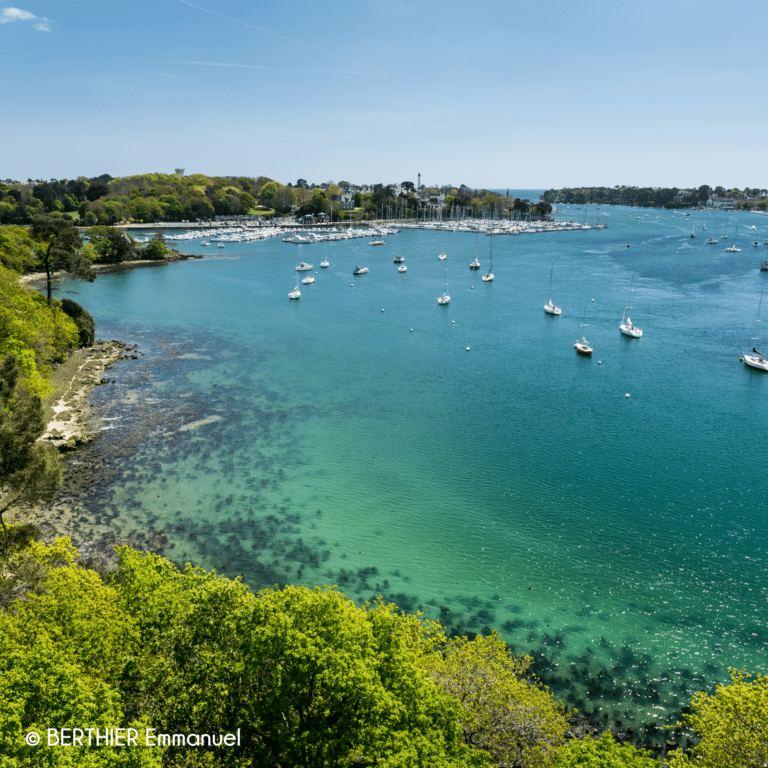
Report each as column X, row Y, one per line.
column 467, row 349
column 453, row 322
column 411, row 330
column 627, row 395
column 599, row 362
column 382, row 310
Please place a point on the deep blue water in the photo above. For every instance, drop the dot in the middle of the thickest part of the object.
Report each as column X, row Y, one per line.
column 621, row 540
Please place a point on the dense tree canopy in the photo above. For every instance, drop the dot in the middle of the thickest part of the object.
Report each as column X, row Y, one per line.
column 732, row 724
column 29, row 470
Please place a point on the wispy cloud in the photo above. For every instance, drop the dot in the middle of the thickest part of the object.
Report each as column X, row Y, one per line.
column 269, row 69
column 282, row 37
column 9, row 14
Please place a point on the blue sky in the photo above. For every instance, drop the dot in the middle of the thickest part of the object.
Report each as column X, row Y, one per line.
column 487, row 93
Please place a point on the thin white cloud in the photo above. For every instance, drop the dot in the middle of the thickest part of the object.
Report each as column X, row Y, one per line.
column 275, row 34
column 9, row 14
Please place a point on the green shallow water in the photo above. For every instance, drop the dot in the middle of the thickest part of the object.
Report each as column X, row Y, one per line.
column 621, row 541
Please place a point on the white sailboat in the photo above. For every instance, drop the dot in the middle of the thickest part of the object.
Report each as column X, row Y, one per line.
column 757, row 359
column 583, row 347
column 443, row 255
column 475, row 264
column 295, row 293
column 626, row 326
column 489, row 275
column 446, row 297
column 549, row 307
column 733, row 248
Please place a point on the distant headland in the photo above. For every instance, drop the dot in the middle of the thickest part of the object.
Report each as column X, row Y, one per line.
column 662, row 197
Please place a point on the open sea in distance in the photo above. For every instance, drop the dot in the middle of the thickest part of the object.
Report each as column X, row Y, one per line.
column 619, row 540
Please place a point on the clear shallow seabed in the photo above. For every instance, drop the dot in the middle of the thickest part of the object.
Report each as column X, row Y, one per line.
column 621, row 541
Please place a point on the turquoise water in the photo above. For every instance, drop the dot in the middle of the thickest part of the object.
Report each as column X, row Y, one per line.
column 621, row 541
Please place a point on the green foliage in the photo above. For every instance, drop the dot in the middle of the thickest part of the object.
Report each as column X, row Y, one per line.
column 37, row 335
column 505, row 711
column 155, row 250
column 309, row 678
column 85, row 323
column 28, row 469
column 17, row 249
column 61, row 653
column 602, row 753
column 732, row 724
column 111, row 245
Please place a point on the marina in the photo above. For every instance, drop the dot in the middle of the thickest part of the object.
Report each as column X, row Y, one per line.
column 462, row 459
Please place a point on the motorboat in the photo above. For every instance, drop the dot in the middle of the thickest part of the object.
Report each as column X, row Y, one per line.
column 378, row 242
column 325, row 263
column 303, row 267
column 399, row 259
column 402, row 268
column 360, row 271
column 308, row 280
column 474, row 264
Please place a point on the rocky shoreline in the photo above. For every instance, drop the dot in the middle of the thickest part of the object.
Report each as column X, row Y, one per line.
column 70, row 425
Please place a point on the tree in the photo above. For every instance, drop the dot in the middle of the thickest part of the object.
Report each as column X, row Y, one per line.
column 268, row 194
column 602, row 753
column 732, row 724
column 155, row 250
column 86, row 326
column 308, row 677
column 112, row 244
column 247, row 203
column 59, row 249
column 29, row 470
column 505, row 711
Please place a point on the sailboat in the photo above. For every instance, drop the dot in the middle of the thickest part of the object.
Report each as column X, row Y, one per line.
column 582, row 347
column 443, row 256
column 475, row 264
column 489, row 275
column 626, row 326
column 295, row 293
column 446, row 297
column 549, row 307
column 733, row 248
column 693, row 226
column 757, row 360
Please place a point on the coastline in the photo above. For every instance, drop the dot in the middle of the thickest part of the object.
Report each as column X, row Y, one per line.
column 69, row 417
column 37, row 279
